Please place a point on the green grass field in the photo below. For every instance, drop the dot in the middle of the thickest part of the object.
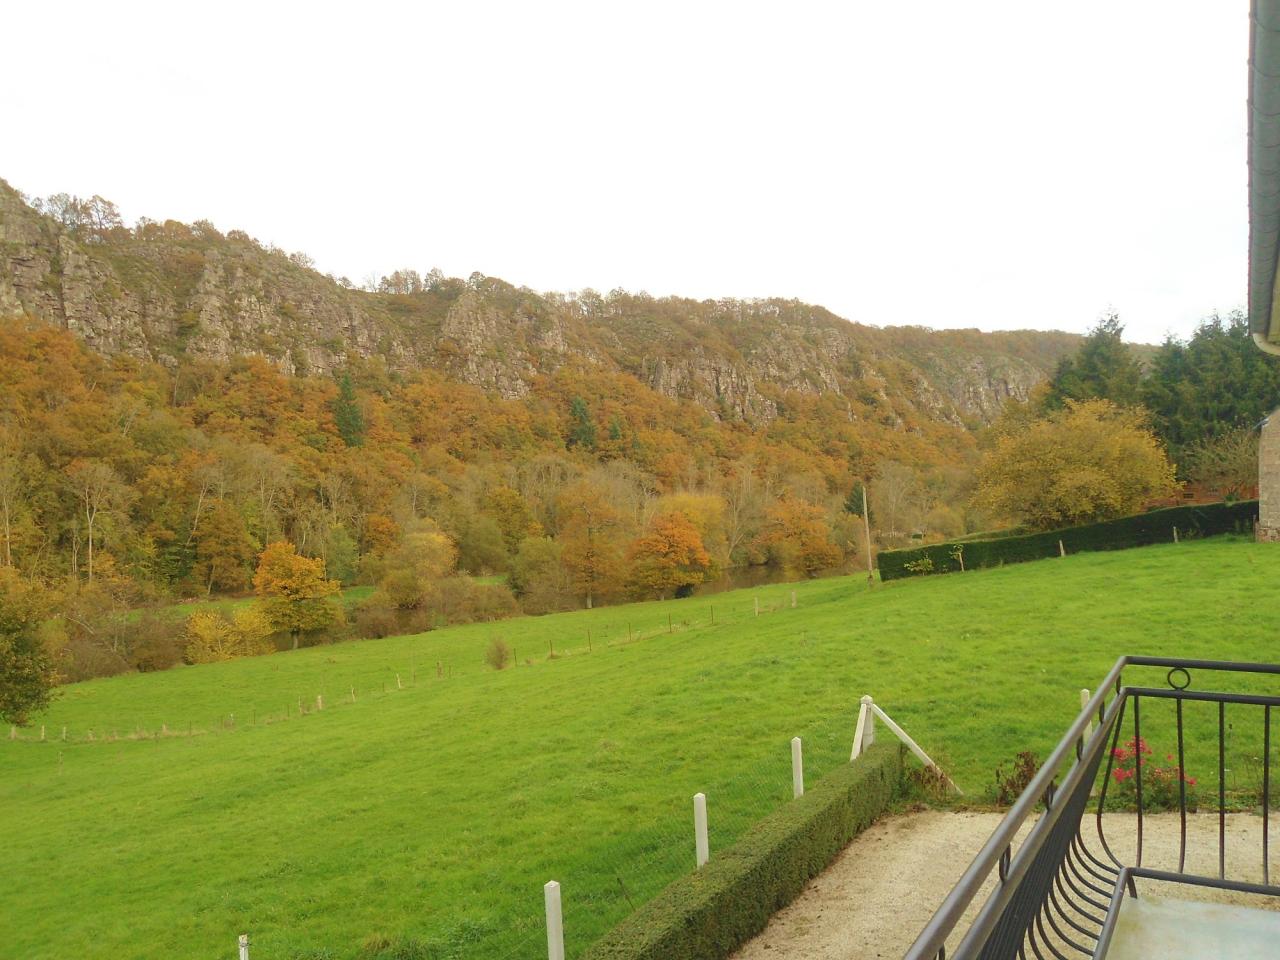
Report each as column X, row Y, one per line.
column 432, row 815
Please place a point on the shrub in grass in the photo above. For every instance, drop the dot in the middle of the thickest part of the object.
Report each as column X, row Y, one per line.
column 1011, row 781
column 497, row 654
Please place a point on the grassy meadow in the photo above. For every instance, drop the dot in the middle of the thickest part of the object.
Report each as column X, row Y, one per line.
column 421, row 818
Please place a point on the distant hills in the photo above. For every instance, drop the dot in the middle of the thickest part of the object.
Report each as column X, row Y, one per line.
column 168, row 291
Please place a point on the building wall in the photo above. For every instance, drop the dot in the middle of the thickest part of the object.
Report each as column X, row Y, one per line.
column 1269, row 480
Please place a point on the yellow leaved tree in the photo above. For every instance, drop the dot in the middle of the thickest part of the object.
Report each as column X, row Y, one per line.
column 211, row 637
column 295, row 596
column 1089, row 461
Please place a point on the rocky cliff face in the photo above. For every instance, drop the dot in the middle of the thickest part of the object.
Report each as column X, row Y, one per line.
column 168, row 291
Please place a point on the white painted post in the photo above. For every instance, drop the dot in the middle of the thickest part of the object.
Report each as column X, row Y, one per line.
column 555, row 921
column 42, row 732
column 797, row 768
column 865, row 733
column 913, row 746
column 244, row 946
column 1175, row 534
column 702, row 847
column 1084, row 702
column 1062, row 551
column 793, row 599
column 319, row 701
column 757, row 599
column 399, row 685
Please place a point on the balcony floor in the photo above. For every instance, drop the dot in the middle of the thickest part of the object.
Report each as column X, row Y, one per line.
column 1149, row 928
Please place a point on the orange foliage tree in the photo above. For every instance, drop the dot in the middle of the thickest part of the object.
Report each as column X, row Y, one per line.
column 668, row 557
column 797, row 537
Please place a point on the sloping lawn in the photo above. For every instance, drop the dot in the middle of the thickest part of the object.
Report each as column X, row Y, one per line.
column 422, row 821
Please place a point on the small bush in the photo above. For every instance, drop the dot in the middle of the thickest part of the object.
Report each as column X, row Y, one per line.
column 376, row 617
column 1012, row 781
column 498, row 654
column 928, row 784
column 157, row 643
column 920, row 565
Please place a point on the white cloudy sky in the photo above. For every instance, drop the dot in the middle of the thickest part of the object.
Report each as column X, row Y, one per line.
column 989, row 163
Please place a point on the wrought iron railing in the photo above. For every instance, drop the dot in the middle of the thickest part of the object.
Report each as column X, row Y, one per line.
column 1059, row 879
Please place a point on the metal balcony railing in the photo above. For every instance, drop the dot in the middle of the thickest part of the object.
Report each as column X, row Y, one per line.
column 1060, row 879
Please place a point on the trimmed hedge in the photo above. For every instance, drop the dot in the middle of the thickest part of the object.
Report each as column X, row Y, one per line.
column 708, row 914
column 1155, row 526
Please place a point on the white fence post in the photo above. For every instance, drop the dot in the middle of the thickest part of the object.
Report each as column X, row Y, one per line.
column 702, row 847
column 555, row 921
column 865, row 734
column 797, row 768
column 244, row 946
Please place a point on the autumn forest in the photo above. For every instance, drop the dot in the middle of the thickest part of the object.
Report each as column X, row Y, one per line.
column 361, row 491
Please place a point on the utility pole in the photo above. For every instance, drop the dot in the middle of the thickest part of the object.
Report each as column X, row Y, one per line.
column 866, row 526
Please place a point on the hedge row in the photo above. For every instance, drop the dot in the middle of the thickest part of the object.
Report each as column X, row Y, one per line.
column 1145, row 528
column 709, row 914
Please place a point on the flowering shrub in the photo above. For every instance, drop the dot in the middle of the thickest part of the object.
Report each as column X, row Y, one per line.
column 1159, row 784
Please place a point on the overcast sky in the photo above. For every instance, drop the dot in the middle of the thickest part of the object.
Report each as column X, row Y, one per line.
column 991, row 164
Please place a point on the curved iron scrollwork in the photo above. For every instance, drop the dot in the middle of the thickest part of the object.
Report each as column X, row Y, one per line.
column 1058, row 893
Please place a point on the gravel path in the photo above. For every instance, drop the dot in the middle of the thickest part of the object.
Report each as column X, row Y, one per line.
column 880, row 892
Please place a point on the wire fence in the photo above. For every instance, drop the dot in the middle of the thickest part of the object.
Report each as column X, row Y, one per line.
column 608, row 628
column 606, row 877
column 606, row 868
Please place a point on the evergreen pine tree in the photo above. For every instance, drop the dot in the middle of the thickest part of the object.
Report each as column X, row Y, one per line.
column 1104, row 368
column 583, row 430
column 347, row 415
